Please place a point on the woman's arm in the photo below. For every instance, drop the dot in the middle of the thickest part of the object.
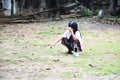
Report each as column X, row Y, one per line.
column 58, row 40
column 72, row 33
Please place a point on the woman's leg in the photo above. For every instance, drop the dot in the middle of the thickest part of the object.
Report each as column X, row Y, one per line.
column 66, row 43
column 78, row 44
column 70, row 45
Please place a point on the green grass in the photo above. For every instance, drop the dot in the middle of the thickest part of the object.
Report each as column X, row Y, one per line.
column 103, row 53
column 100, row 57
column 52, row 31
column 68, row 75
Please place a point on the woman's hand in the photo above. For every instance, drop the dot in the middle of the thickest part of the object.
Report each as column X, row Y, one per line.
column 70, row 29
column 52, row 46
column 55, row 42
column 72, row 33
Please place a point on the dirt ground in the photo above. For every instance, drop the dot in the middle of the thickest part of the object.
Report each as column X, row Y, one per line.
column 25, row 52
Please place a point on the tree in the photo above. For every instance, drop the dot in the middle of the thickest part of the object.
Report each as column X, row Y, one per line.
column 12, row 7
column 21, row 5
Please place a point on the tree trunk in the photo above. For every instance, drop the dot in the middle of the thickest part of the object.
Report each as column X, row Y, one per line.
column 12, row 8
column 21, row 5
column 113, row 4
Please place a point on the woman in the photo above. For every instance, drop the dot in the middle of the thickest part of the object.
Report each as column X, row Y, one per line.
column 71, row 37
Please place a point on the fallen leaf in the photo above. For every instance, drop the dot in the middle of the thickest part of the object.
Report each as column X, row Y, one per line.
column 48, row 68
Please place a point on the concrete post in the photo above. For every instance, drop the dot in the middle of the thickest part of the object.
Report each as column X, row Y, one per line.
column 8, row 6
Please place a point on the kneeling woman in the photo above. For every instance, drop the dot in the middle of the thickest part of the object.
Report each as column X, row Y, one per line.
column 71, row 37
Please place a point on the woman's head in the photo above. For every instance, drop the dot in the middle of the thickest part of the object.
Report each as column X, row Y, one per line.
column 73, row 25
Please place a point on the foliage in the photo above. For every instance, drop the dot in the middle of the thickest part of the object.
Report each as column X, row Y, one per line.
column 89, row 12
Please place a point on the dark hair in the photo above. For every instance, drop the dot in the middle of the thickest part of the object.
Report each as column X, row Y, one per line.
column 73, row 25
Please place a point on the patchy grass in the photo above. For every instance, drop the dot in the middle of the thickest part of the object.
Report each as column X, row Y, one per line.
column 25, row 49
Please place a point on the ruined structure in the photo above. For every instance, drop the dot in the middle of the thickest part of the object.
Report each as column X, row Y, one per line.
column 22, row 7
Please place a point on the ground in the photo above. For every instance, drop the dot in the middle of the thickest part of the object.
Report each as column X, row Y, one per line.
column 25, row 52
